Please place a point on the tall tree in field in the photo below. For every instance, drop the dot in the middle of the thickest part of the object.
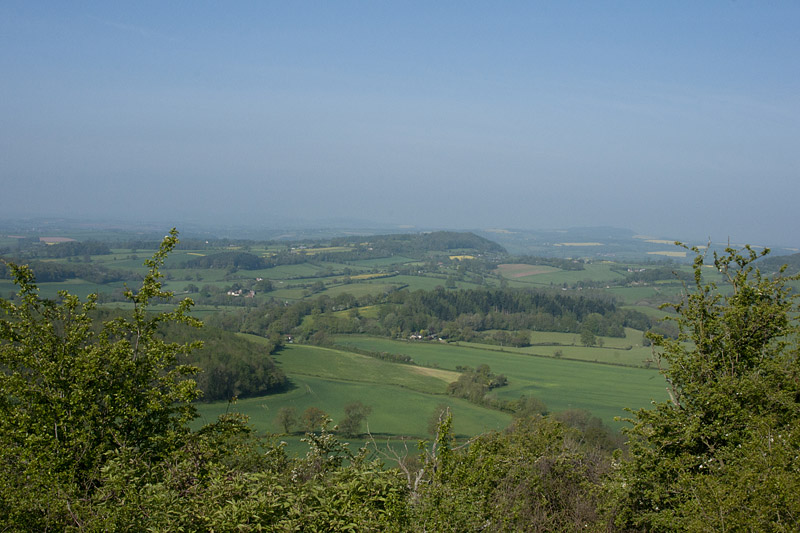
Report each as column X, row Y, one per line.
column 588, row 337
column 286, row 418
column 314, row 419
column 354, row 415
column 724, row 452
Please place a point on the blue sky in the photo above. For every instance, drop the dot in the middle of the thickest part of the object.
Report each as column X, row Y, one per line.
column 676, row 119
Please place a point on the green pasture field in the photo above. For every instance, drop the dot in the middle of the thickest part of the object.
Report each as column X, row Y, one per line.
column 325, row 249
column 362, row 288
column 367, row 311
column 428, row 283
column 632, row 338
column 302, row 270
column 179, row 286
column 345, row 366
column 627, row 350
column 198, row 311
column 592, row 272
column 651, row 293
column 602, row 389
column 383, row 261
column 7, row 288
column 418, row 282
column 8, row 242
column 334, row 265
column 288, row 293
column 515, row 271
column 123, row 262
column 207, row 275
column 635, row 356
column 78, row 287
column 177, row 257
column 652, row 312
column 399, row 406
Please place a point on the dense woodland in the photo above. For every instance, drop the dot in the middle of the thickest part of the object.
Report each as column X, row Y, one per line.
column 96, row 406
column 493, row 316
column 232, row 367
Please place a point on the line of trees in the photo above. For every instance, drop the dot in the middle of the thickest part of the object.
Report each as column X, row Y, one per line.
column 314, row 419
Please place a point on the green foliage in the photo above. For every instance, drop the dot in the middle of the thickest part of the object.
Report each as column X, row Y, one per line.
column 532, row 477
column 527, row 405
column 472, row 314
column 591, row 429
column 224, row 478
column 473, row 385
column 72, row 397
column 701, row 461
column 232, row 366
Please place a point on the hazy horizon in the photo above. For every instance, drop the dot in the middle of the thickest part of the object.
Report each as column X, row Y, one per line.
column 667, row 119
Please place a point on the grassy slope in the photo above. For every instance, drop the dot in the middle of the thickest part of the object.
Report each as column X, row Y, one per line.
column 402, row 396
column 603, row 389
column 593, row 272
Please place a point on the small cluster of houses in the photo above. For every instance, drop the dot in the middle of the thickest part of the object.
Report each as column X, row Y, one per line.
column 431, row 337
column 242, row 292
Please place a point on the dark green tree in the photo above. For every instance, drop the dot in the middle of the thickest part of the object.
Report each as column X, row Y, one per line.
column 533, row 476
column 286, row 418
column 588, row 338
column 527, row 405
column 724, row 452
column 314, row 419
column 355, row 414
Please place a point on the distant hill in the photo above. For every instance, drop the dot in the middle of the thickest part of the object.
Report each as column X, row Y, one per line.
column 772, row 264
column 415, row 243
